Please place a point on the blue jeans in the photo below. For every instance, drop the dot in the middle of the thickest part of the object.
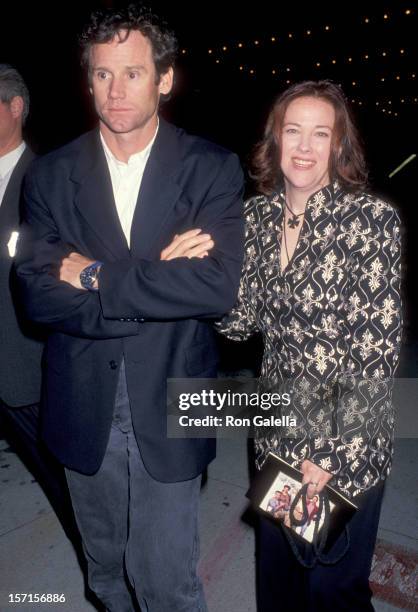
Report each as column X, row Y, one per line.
column 140, row 536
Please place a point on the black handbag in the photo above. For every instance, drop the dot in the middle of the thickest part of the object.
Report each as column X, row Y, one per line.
column 277, row 492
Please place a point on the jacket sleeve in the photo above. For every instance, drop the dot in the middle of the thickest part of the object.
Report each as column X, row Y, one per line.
column 240, row 323
column 185, row 288
column 363, row 417
column 45, row 299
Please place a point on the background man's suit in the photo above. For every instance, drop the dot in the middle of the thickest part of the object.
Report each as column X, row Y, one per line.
column 20, row 355
column 20, row 360
column 156, row 315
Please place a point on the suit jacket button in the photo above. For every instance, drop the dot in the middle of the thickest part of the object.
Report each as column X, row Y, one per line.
column 113, row 365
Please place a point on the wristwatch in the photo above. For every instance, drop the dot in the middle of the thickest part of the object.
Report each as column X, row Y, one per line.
column 89, row 275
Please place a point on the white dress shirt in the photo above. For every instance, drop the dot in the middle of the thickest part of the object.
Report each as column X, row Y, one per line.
column 7, row 164
column 126, row 181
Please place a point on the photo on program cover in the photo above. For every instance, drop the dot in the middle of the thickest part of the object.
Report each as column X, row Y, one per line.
column 278, row 500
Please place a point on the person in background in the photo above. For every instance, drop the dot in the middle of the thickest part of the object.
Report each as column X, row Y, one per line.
column 273, row 502
column 321, row 283
column 121, row 320
column 21, row 343
column 312, row 509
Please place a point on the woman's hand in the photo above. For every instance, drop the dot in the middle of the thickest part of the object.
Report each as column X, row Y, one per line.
column 315, row 476
column 189, row 244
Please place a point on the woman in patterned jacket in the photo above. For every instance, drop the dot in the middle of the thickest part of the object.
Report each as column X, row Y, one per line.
column 321, row 283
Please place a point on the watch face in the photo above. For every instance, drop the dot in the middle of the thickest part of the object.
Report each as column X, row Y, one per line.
column 89, row 275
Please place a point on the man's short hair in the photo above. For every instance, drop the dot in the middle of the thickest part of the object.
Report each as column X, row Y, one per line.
column 12, row 85
column 105, row 24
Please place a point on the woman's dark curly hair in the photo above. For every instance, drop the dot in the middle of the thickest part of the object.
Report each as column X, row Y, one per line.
column 105, row 24
column 346, row 163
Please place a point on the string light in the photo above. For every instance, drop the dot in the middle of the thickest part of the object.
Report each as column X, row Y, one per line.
column 354, row 83
column 327, row 27
column 397, row 77
column 387, row 78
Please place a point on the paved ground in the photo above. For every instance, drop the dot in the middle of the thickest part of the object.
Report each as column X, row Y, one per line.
column 36, row 556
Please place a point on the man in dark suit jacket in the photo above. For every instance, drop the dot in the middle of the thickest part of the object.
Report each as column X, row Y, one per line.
column 122, row 320
column 21, row 348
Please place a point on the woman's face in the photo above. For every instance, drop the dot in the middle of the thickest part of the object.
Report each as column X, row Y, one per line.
column 306, row 144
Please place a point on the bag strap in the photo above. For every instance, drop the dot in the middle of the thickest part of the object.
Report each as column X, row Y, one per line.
column 319, row 537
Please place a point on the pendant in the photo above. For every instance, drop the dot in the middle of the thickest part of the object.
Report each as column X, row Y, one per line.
column 293, row 222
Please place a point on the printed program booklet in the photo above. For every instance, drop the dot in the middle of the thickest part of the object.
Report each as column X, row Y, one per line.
column 273, row 490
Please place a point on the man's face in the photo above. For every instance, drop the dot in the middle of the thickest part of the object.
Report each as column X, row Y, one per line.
column 9, row 122
column 124, row 83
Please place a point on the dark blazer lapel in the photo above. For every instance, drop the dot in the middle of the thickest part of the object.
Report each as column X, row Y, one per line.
column 94, row 198
column 158, row 193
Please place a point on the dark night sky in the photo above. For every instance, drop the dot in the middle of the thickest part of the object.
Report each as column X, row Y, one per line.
column 219, row 100
column 228, row 105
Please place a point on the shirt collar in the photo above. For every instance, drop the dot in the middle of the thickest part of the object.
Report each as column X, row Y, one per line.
column 9, row 161
column 322, row 197
column 136, row 158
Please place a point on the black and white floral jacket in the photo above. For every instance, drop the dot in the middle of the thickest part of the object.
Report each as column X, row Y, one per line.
column 331, row 327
